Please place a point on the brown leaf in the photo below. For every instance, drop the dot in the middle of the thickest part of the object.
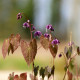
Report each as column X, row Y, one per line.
column 16, row 77
column 53, row 50
column 34, row 43
column 33, row 77
column 27, row 51
column 44, row 42
column 23, row 76
column 15, row 41
column 5, row 47
column 70, row 76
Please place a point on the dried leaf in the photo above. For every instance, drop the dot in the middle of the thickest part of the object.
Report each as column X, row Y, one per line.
column 33, row 77
column 70, row 76
column 15, row 41
column 23, row 76
column 53, row 50
column 27, row 51
column 34, row 45
column 78, row 50
column 44, row 42
column 16, row 77
column 5, row 47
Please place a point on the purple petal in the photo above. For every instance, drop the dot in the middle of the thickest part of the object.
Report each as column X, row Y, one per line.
column 37, row 33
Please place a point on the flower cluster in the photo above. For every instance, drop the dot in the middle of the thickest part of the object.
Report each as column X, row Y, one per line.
column 37, row 33
column 19, row 16
column 50, row 27
column 46, row 35
column 55, row 42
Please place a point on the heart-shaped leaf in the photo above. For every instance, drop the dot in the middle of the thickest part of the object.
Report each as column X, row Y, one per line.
column 23, row 76
column 44, row 42
column 16, row 77
column 27, row 51
column 5, row 47
column 34, row 46
column 15, row 41
column 53, row 50
column 32, row 77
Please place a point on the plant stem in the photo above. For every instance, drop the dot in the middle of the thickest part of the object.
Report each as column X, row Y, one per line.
column 42, row 78
column 64, row 75
column 39, row 47
column 30, row 32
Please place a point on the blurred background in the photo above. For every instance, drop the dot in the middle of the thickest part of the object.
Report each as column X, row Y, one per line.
column 64, row 15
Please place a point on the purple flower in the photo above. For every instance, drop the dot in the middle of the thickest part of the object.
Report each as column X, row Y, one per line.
column 46, row 35
column 37, row 33
column 33, row 28
column 26, row 25
column 19, row 16
column 60, row 55
column 50, row 27
column 55, row 42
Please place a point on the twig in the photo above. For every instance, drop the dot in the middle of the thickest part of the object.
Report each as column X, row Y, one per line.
column 64, row 58
column 74, row 56
column 39, row 47
column 64, row 75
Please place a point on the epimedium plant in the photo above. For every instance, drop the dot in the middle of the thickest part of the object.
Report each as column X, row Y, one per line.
column 29, row 51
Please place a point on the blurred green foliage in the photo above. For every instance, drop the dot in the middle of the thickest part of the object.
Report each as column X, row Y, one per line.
column 8, row 19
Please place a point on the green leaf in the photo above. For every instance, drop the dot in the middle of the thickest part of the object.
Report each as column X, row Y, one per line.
column 69, row 52
column 71, row 65
column 36, row 70
column 11, row 76
column 47, row 70
column 42, row 72
column 65, row 68
column 52, row 70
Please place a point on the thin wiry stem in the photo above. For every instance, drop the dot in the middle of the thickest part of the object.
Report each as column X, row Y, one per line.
column 64, row 75
column 64, row 58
